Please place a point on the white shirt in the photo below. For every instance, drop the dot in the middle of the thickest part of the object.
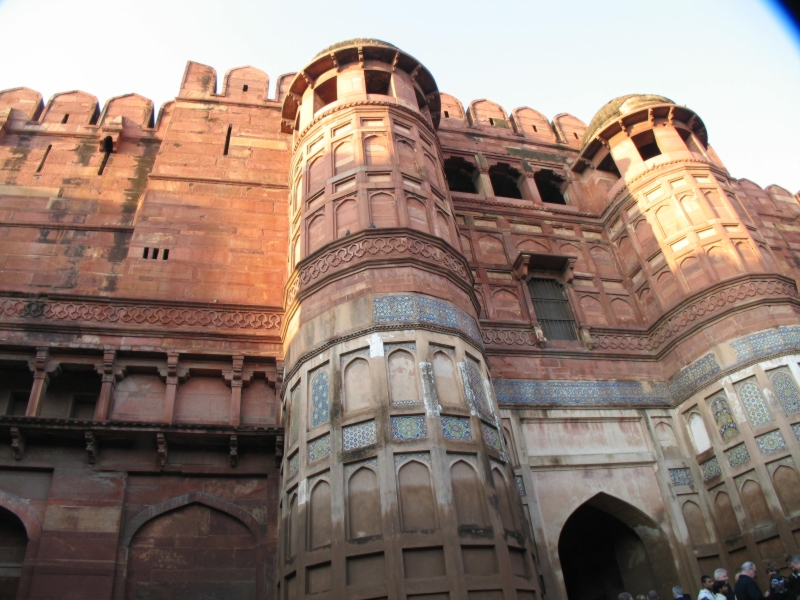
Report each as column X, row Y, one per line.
column 705, row 595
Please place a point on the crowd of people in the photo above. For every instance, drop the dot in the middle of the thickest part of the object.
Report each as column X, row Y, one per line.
column 745, row 585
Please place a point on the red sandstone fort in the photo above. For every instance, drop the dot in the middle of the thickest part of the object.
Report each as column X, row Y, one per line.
column 359, row 341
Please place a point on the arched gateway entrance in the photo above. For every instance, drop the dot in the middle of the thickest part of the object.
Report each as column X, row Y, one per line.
column 608, row 546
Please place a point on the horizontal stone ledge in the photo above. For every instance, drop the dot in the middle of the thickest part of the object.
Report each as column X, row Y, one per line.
column 68, row 226
column 44, row 425
column 214, row 180
column 592, row 460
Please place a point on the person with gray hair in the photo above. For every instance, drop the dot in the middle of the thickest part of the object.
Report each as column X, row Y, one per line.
column 624, row 596
column 652, row 595
column 793, row 581
column 722, row 575
column 746, row 587
column 677, row 593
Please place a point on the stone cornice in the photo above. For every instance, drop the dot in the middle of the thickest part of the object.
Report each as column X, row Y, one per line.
column 83, row 310
column 375, row 247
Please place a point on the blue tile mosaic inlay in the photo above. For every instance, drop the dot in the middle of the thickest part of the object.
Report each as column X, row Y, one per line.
column 425, row 457
column 294, row 464
column 681, row 476
column 408, row 308
column 319, row 448
column 456, row 428
column 320, row 395
column 771, row 442
column 409, row 428
column 723, row 418
column 526, row 391
column 693, row 376
column 796, row 430
column 491, row 437
column 753, row 401
column 476, row 391
column 359, row 435
column 294, row 429
column 785, row 390
column 711, row 468
column 520, row 485
column 738, row 455
column 767, row 342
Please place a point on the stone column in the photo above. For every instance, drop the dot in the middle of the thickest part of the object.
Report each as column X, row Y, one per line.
column 110, row 374
column 43, row 369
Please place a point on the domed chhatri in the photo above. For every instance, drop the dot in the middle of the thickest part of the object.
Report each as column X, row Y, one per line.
column 356, row 42
column 619, row 107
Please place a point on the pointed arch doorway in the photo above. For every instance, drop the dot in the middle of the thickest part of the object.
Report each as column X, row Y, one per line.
column 608, row 546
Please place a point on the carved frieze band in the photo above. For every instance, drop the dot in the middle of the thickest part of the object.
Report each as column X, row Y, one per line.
column 138, row 314
column 368, row 244
column 678, row 320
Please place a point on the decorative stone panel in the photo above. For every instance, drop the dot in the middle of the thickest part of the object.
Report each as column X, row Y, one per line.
column 408, row 308
column 785, row 390
column 409, row 428
column 753, row 401
column 767, row 342
column 319, row 448
column 723, row 417
column 525, row 391
column 520, row 484
column 294, row 464
column 320, row 398
column 681, row 477
column 456, row 428
column 711, row 468
column 738, row 455
column 399, row 459
column 694, row 375
column 771, row 442
column 491, row 437
column 787, row 460
column 359, row 435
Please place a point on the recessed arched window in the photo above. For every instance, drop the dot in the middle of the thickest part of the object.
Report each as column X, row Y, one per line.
column 460, row 175
column 550, row 185
column 607, row 165
column 324, row 94
column 378, row 82
column 646, row 144
column 505, row 181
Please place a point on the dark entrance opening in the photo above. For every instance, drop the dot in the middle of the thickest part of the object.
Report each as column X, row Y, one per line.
column 602, row 553
column 13, row 543
column 460, row 175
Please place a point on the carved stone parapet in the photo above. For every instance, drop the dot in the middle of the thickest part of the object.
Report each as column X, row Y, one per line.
column 560, row 267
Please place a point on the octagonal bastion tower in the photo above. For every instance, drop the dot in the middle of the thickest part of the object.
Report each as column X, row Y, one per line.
column 395, row 477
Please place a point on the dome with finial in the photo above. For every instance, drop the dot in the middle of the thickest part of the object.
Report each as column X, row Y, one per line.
column 356, row 42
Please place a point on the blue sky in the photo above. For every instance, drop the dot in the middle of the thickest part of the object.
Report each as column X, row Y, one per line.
column 733, row 61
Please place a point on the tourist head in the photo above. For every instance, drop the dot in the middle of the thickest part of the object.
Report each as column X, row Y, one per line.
column 641, row 597
column 794, row 563
column 706, row 582
column 677, row 591
column 772, row 567
column 721, row 575
column 652, row 595
column 749, row 569
column 624, row 596
column 720, row 587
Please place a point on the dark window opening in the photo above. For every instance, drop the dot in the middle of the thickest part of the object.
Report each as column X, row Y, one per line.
column 646, row 144
column 95, row 115
column 552, row 309
column 491, row 121
column 44, row 158
column 576, row 135
column 165, row 256
column 146, row 252
column 460, row 175
column 549, row 185
column 534, row 129
column 324, row 94
column 155, row 253
column 690, row 141
column 83, row 407
column 244, row 87
column 607, row 165
column 505, row 181
column 446, row 115
column 107, row 147
column 227, row 141
column 18, row 404
column 378, row 82
column 65, row 118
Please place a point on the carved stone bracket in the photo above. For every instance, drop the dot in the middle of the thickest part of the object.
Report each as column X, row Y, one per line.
column 92, row 449
column 163, row 449
column 529, row 264
column 279, row 441
column 234, row 451
column 17, row 443
column 586, row 338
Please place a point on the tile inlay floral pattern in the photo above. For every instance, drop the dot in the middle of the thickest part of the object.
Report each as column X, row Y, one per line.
column 766, row 342
column 456, row 428
column 399, row 459
column 476, row 393
column 738, row 455
column 320, row 395
column 681, row 476
column 787, row 460
column 753, row 401
column 723, row 418
column 319, row 448
column 294, row 464
column 711, row 468
column 785, row 390
column 409, row 428
column 491, row 437
column 350, row 468
column 520, row 485
column 359, row 435
column 408, row 308
column 585, row 393
column 294, row 430
column 771, row 442
column 796, row 430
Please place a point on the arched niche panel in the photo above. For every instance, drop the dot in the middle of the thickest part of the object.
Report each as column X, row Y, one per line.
column 443, row 227
column 407, row 156
column 376, row 152
column 503, row 501
column 647, row 239
column 593, row 311
column 445, row 379
column 603, row 261
column 718, row 206
column 787, row 485
column 534, row 124
column 363, row 504
column 383, row 210
column 626, row 251
column 343, row 157
column 726, row 516
column 693, row 210
column 532, row 246
column 432, row 170
column 417, row 506
column 293, row 527
column 402, row 377
column 648, row 302
column 695, row 523
column 417, row 215
column 357, row 385
column 316, row 232
column 13, row 545
column 506, row 305
column 317, row 174
column 693, row 273
column 492, row 250
column 623, row 312
column 755, row 504
column 468, row 496
column 319, row 520
column 571, row 129
column 668, row 287
column 748, row 256
column 667, row 440
column 721, row 260
column 346, row 217
column 699, row 433
column 670, row 221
